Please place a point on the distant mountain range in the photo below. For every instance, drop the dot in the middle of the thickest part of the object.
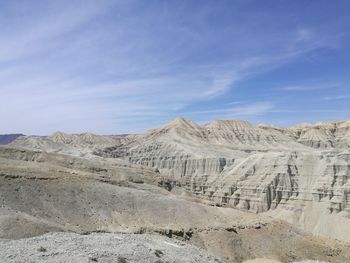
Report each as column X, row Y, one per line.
column 8, row 138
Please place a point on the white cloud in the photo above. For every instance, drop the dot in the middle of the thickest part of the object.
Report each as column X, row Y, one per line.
column 252, row 109
column 310, row 87
column 40, row 33
column 339, row 97
column 304, row 34
column 255, row 108
column 73, row 65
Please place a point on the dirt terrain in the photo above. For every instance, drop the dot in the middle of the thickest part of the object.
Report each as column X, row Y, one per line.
column 235, row 191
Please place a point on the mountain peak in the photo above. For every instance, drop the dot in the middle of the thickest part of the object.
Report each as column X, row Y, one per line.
column 229, row 124
column 181, row 122
column 61, row 137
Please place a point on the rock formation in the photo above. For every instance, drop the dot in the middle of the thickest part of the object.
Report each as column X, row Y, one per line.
column 270, row 183
column 256, row 168
column 49, row 192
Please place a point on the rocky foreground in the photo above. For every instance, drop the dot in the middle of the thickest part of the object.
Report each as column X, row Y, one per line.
column 101, row 247
column 108, row 248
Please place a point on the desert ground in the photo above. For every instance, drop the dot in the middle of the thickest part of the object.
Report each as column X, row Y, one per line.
column 226, row 191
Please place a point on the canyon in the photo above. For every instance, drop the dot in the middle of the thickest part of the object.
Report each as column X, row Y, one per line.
column 225, row 187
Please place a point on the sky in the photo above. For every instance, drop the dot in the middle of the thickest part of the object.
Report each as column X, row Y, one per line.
column 115, row 67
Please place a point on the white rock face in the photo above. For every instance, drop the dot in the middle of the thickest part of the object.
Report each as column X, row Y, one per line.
column 325, row 135
column 307, row 189
column 281, row 171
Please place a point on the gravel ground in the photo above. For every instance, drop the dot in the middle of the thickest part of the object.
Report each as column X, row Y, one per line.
column 100, row 247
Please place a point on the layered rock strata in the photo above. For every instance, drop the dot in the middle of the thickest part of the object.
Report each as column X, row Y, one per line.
column 255, row 168
column 303, row 169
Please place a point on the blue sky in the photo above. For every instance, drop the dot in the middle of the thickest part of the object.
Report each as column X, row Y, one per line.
column 113, row 67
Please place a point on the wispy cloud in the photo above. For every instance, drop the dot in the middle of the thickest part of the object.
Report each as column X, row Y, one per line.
column 122, row 66
column 252, row 109
column 243, row 110
column 304, row 34
column 37, row 34
column 310, row 87
column 339, row 97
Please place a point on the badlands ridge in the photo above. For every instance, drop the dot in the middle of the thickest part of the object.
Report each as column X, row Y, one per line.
column 225, row 191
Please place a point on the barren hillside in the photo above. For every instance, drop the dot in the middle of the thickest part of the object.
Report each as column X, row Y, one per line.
column 225, row 186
